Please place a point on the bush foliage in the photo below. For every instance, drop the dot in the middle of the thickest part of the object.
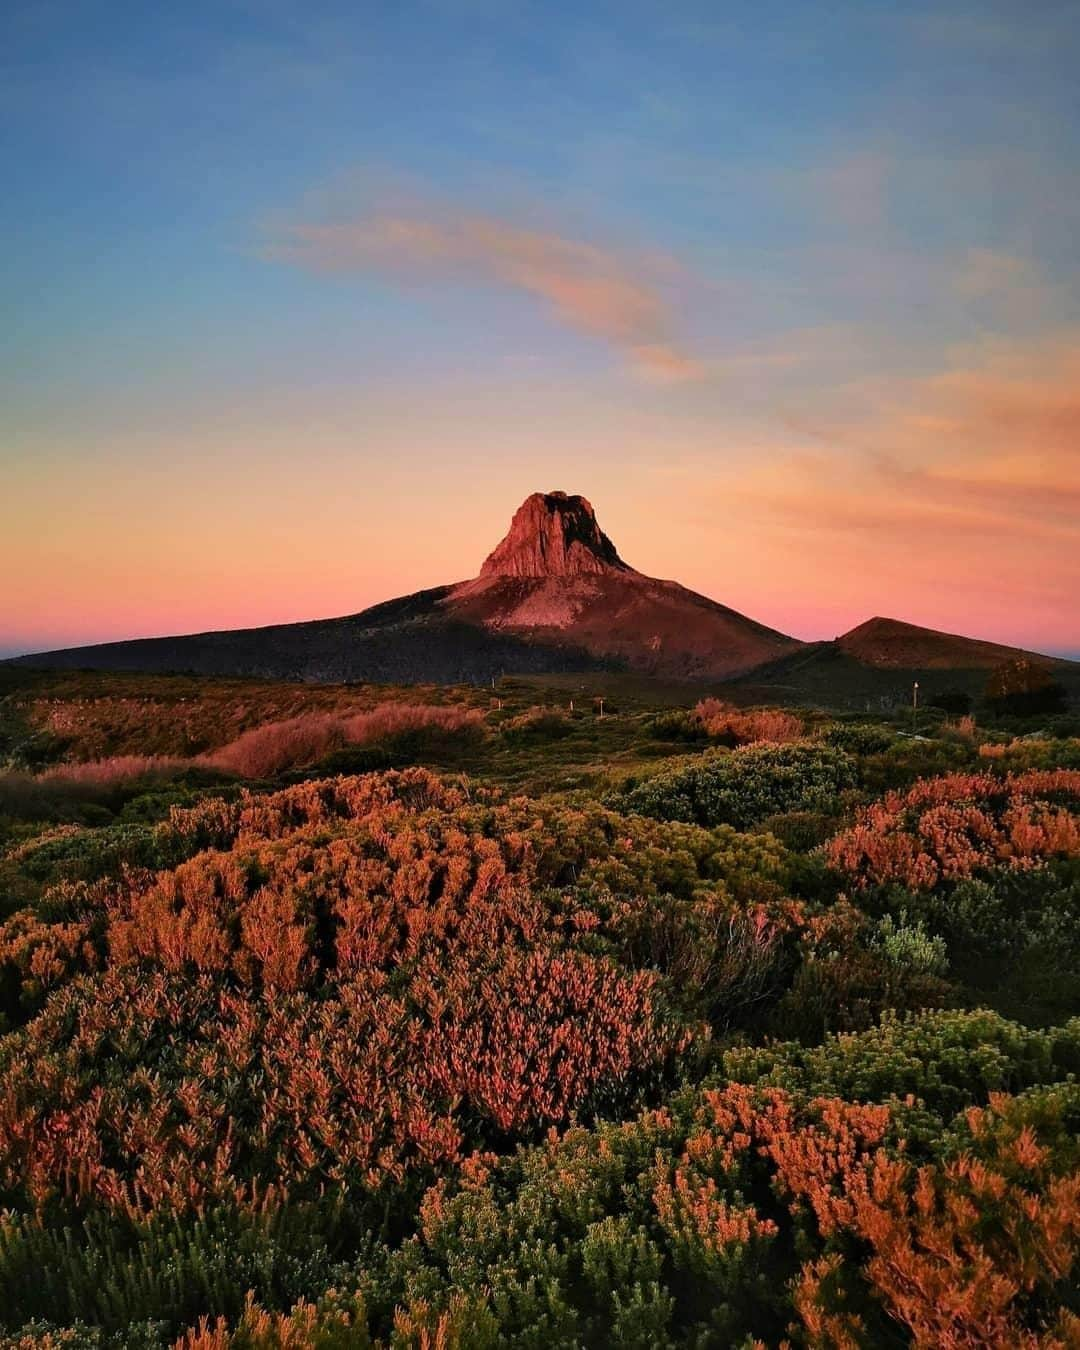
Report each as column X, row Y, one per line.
column 746, row 786
column 776, row 1045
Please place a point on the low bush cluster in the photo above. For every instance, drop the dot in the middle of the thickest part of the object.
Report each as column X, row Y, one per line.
column 779, row 1047
column 917, row 1183
column 755, row 1211
column 860, row 738
column 961, row 825
column 746, row 786
column 1012, row 936
column 711, row 719
column 537, row 724
column 735, row 726
column 851, row 970
column 269, row 749
column 383, row 969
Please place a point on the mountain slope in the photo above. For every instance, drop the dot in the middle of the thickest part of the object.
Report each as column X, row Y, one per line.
column 553, row 596
column 891, row 644
column 875, row 665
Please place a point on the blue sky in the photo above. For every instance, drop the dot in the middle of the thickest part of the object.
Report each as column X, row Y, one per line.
column 700, row 261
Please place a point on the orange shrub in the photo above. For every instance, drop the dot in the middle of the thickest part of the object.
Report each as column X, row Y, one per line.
column 267, row 750
column 961, row 1253
column 721, row 721
column 369, row 966
column 960, row 824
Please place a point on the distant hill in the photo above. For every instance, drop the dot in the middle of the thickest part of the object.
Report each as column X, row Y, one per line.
column 875, row 665
column 888, row 644
column 554, row 596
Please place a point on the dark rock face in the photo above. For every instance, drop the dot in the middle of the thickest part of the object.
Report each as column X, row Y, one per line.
column 554, row 534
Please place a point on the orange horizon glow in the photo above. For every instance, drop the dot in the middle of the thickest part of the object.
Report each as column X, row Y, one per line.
column 813, row 584
column 951, row 501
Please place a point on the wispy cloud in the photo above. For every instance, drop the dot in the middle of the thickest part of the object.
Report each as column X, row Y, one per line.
column 959, row 492
column 593, row 290
column 994, row 437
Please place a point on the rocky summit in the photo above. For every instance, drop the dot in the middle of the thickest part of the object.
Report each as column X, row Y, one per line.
column 553, row 534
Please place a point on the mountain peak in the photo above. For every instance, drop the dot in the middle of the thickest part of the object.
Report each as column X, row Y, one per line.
column 554, row 534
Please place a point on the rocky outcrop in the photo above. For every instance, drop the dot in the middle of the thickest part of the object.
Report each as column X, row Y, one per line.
column 554, row 534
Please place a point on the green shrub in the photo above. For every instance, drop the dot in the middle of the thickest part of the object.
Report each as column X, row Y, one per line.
column 799, row 831
column 168, row 1270
column 677, row 725
column 948, row 1059
column 89, row 854
column 850, row 991
column 909, row 946
column 1013, row 937
column 908, row 759
column 537, row 724
column 860, row 738
column 847, row 979
column 743, row 787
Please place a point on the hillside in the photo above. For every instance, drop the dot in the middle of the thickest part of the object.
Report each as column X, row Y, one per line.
column 554, row 596
column 874, row 666
column 352, row 1016
column 889, row 644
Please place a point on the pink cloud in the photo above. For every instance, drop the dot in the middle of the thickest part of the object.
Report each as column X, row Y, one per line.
column 589, row 289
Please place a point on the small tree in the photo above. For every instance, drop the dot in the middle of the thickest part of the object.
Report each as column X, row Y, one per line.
column 1022, row 687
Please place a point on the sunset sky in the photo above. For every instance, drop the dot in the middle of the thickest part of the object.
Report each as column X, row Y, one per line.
column 302, row 299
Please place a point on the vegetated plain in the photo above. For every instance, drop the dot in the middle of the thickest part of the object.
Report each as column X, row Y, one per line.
column 428, row 1016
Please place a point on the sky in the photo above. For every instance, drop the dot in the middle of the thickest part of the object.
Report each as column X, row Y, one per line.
column 302, row 299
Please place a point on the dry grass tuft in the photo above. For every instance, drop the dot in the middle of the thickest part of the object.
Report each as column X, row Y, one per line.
column 721, row 721
column 300, row 741
column 262, row 752
column 106, row 773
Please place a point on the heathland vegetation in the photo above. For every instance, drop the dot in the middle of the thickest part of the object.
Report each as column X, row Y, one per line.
column 434, row 1017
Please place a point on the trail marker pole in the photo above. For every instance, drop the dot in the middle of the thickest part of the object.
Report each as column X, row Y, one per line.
column 914, row 707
